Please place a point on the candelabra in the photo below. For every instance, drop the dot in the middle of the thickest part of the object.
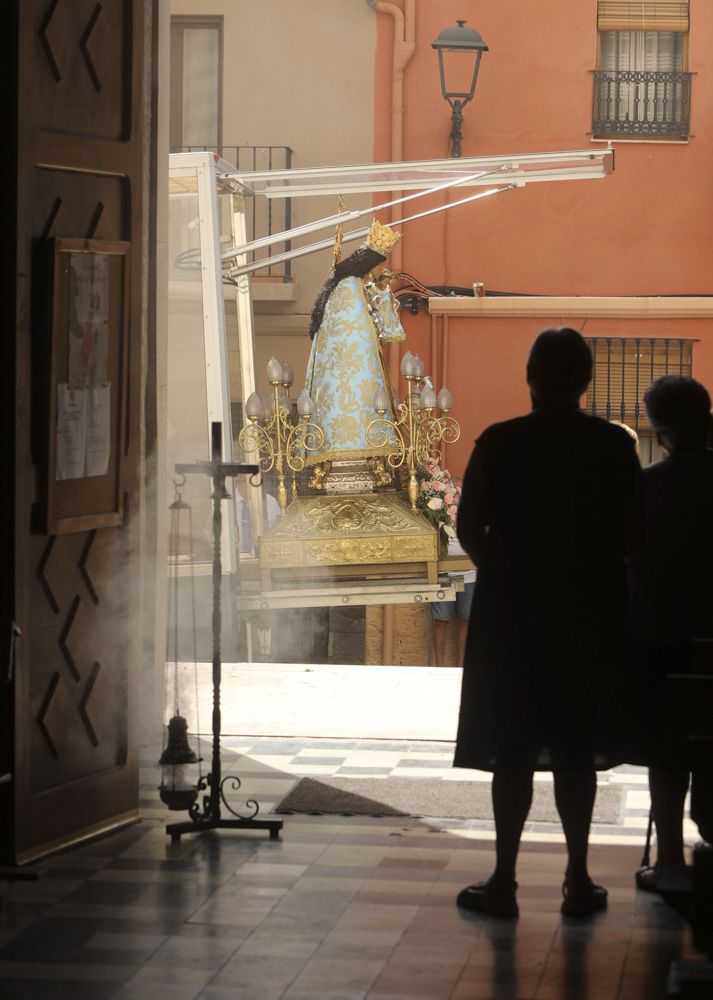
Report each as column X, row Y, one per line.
column 417, row 428
column 280, row 440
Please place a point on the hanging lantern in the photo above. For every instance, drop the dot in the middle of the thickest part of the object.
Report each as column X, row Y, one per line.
column 177, row 790
column 460, row 50
column 179, row 787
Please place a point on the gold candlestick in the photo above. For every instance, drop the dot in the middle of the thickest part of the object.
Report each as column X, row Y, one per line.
column 279, row 440
column 416, row 429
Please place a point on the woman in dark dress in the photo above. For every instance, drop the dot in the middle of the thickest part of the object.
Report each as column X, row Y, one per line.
column 546, row 515
column 672, row 606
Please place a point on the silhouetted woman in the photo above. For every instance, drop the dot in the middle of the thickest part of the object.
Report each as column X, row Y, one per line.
column 546, row 515
column 672, row 604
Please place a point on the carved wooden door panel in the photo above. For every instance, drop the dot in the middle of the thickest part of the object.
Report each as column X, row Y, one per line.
column 80, row 175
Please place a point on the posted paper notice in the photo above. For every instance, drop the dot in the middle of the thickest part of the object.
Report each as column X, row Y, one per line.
column 83, row 431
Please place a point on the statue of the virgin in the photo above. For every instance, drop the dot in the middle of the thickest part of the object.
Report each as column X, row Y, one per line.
column 354, row 315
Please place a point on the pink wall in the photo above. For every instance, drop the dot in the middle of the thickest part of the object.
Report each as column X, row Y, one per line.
column 647, row 229
column 487, row 358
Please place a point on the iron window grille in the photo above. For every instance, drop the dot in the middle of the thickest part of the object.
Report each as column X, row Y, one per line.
column 641, row 87
column 638, row 103
column 623, row 369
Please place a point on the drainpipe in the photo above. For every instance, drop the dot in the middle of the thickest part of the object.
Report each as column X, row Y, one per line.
column 404, row 48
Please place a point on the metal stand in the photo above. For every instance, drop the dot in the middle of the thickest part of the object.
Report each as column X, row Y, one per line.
column 646, row 856
column 210, row 818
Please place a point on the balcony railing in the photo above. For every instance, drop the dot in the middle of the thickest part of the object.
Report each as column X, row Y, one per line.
column 265, row 216
column 634, row 103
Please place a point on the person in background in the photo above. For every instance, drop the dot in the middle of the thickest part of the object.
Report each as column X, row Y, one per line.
column 443, row 612
column 630, row 431
column 546, row 515
column 271, row 512
column 671, row 581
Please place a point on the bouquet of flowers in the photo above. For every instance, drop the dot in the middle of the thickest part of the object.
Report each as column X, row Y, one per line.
column 438, row 497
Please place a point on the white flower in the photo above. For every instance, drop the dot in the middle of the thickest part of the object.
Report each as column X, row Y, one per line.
column 448, row 528
column 435, row 504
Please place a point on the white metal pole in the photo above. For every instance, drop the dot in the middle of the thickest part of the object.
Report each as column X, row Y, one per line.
column 355, row 234
column 352, row 216
column 246, row 345
column 216, row 357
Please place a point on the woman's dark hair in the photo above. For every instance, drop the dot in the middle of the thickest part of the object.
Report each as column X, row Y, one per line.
column 356, row 265
column 560, row 364
column 679, row 411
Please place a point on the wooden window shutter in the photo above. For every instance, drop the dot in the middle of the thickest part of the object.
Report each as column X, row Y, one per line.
column 623, row 369
column 643, row 15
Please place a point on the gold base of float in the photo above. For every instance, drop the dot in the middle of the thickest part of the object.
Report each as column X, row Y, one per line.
column 369, row 535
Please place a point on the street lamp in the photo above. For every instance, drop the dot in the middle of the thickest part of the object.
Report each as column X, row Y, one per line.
column 462, row 42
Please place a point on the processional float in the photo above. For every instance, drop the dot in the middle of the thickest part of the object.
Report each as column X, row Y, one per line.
column 376, row 534
column 360, row 529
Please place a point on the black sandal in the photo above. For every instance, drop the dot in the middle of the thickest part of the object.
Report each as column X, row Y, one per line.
column 582, row 899
column 484, row 897
column 664, row 879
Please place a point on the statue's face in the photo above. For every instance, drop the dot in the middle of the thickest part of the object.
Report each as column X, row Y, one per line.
column 376, row 271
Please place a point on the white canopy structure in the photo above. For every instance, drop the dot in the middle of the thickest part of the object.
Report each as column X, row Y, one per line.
column 424, row 177
column 208, row 206
column 519, row 168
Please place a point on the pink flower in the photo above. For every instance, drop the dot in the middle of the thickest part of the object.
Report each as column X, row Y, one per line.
column 438, row 485
column 435, row 504
column 452, row 511
column 425, row 486
column 448, row 499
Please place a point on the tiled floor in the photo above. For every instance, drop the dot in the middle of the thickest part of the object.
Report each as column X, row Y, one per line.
column 339, row 908
column 399, row 720
column 270, row 767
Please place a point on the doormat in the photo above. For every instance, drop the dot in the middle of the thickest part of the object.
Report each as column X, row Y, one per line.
column 429, row 797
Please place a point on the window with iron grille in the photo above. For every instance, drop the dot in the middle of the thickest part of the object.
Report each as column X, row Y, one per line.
column 641, row 84
column 623, row 369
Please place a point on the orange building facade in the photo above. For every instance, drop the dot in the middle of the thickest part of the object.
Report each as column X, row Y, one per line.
column 625, row 259
column 646, row 230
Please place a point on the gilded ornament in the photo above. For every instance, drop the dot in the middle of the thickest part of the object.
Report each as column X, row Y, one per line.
column 416, row 549
column 383, row 239
column 349, row 551
column 319, row 475
column 382, row 477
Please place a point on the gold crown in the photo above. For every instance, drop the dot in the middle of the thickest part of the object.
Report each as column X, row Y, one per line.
column 382, row 238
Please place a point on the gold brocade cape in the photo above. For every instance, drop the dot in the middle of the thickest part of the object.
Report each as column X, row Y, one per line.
column 346, row 368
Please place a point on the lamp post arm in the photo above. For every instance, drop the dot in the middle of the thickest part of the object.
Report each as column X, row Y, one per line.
column 456, row 129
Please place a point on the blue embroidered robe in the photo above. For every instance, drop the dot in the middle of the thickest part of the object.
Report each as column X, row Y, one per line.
column 346, row 368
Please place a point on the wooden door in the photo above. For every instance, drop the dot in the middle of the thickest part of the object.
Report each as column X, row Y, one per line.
column 82, row 151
